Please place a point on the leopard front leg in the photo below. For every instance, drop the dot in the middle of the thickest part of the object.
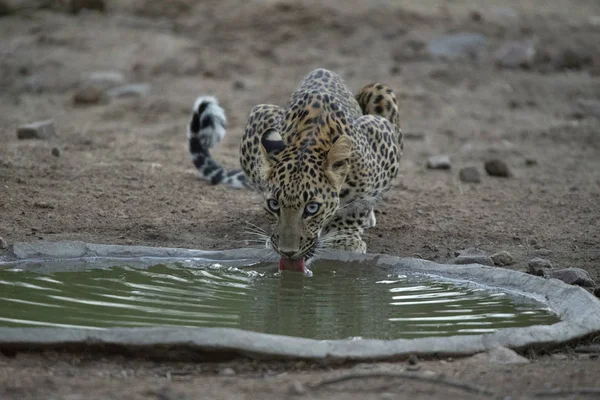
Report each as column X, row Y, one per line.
column 345, row 230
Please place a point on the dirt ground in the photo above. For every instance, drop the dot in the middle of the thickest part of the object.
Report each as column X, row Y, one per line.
column 118, row 171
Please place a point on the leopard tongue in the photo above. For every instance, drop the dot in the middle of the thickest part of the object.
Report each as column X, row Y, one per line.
column 289, row 264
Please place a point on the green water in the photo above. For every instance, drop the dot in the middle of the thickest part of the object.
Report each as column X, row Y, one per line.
column 337, row 302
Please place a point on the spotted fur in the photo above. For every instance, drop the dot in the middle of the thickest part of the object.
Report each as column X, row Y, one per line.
column 322, row 162
column 206, row 129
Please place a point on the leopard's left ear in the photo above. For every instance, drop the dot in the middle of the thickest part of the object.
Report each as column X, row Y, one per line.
column 271, row 144
column 337, row 163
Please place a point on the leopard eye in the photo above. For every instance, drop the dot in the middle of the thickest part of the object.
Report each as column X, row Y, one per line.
column 273, row 205
column 312, row 208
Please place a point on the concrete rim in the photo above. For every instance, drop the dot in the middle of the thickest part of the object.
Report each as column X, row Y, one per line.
column 578, row 309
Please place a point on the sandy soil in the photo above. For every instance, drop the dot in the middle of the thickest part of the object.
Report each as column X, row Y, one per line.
column 123, row 174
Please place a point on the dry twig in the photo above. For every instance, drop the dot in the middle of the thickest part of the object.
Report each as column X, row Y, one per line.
column 405, row 375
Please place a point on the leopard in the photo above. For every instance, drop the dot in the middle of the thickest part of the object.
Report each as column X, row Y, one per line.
column 321, row 162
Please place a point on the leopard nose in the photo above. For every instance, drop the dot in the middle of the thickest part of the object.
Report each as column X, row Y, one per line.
column 288, row 253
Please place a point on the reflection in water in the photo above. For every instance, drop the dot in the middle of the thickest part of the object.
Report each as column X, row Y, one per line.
column 337, row 302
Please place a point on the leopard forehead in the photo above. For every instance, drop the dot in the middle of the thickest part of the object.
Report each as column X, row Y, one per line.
column 299, row 178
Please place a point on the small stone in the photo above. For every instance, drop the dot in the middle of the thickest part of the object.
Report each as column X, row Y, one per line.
column 539, row 266
column 438, row 162
column 106, row 79
column 475, row 16
column 239, row 84
column 131, row 90
column 455, row 46
column 470, row 175
column 473, row 256
column 413, row 135
column 5, row 9
column 413, row 360
column 502, row 258
column 498, row 168
column 56, row 152
column 572, row 58
column 515, row 55
column 227, row 372
column 530, row 162
column 87, row 95
column 500, row 355
column 297, row 388
column 75, row 6
column 37, row 130
column 3, row 244
column 573, row 276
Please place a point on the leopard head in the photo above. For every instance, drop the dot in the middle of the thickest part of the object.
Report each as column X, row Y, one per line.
column 302, row 182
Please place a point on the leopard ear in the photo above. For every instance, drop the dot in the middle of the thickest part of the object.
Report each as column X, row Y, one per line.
column 337, row 163
column 271, row 144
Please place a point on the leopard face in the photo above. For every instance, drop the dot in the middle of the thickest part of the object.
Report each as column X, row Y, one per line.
column 302, row 182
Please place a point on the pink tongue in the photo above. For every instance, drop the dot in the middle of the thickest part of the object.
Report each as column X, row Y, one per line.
column 289, row 264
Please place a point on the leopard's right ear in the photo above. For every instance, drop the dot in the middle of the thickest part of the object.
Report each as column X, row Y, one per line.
column 271, row 144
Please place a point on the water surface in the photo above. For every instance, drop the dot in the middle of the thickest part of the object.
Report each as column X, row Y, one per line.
column 337, row 302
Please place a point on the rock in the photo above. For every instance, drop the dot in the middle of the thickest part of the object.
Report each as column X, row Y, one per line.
column 530, row 162
column 131, row 90
column 573, row 276
column 239, row 84
column 37, row 130
column 500, row 355
column 3, row 243
column 502, row 258
column 56, row 152
column 470, row 175
column 473, row 256
column 105, row 79
column 5, row 9
column 439, row 162
column 227, row 372
column 87, row 95
column 297, row 388
column 515, row 55
column 571, row 58
column 539, row 266
column 455, row 46
column 75, row 6
column 497, row 168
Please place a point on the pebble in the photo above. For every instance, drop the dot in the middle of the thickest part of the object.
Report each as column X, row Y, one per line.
column 460, row 45
column 297, row 388
column 500, row 355
column 438, row 162
column 515, row 55
column 239, row 84
column 3, row 243
column 56, row 152
column 498, row 168
column 530, row 162
column 572, row 58
column 539, row 266
column 106, row 79
column 573, row 276
column 131, row 90
column 88, row 94
column 473, row 256
column 5, row 9
column 37, row 130
column 470, row 175
column 227, row 372
column 502, row 258
column 75, row 6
